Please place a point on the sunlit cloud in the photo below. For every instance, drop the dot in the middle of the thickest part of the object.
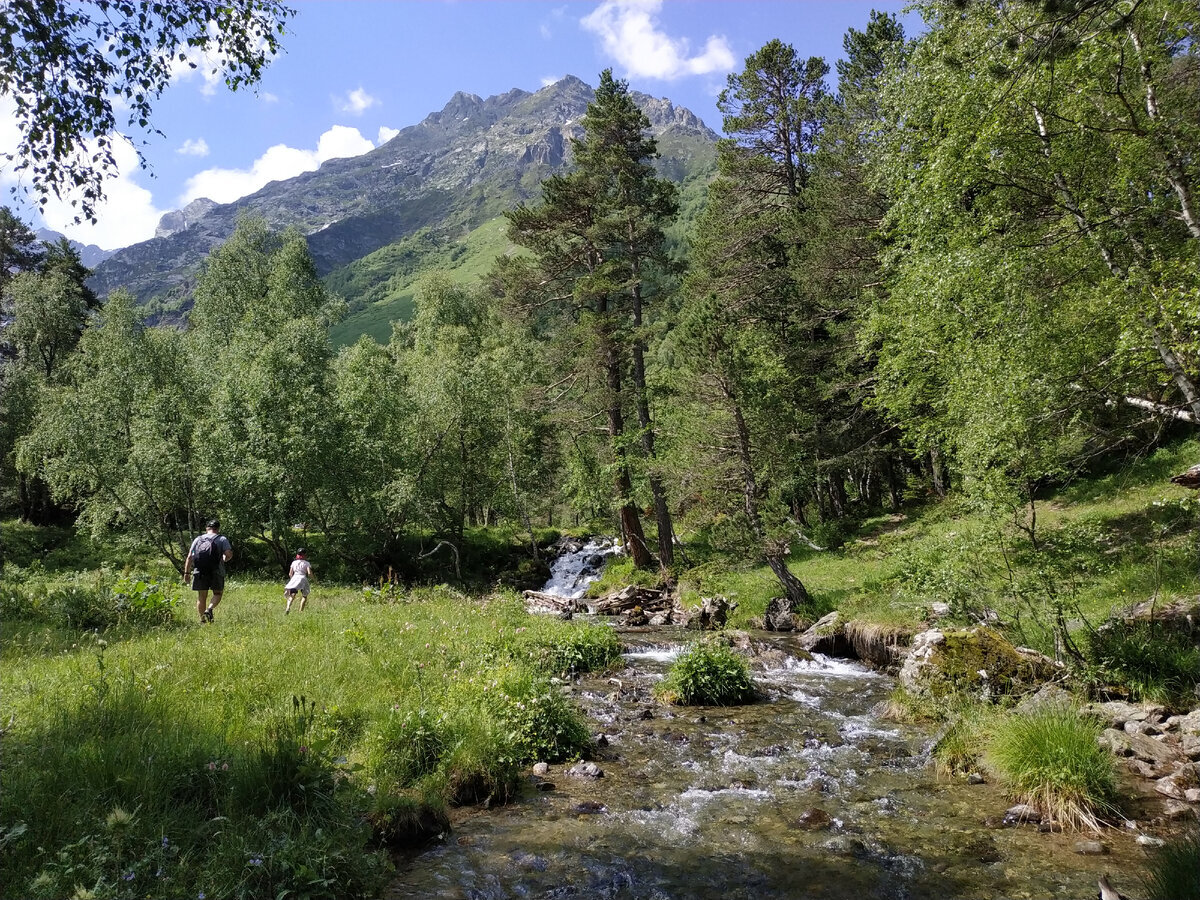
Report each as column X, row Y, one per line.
column 386, row 134
column 629, row 32
column 127, row 214
column 548, row 80
column 356, row 102
column 268, row 97
column 278, row 163
column 197, row 147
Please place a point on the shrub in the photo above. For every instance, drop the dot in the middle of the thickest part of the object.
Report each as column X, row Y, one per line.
column 408, row 747
column 1049, row 758
column 1174, row 871
column 708, row 674
column 540, row 722
column 1153, row 662
column 566, row 649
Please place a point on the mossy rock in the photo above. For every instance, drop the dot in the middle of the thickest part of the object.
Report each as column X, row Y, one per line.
column 977, row 661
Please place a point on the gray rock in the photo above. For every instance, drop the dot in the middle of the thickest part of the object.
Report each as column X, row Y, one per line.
column 1021, row 814
column 1117, row 712
column 1090, row 848
column 1189, row 746
column 1141, row 746
column 585, row 770
column 814, row 820
column 976, row 778
column 844, row 845
column 1192, row 795
column 1148, row 841
column 541, row 768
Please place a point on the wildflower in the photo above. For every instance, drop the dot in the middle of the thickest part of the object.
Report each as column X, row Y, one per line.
column 212, row 767
column 303, row 748
column 128, row 876
column 200, row 896
column 224, row 767
column 256, row 861
column 166, row 842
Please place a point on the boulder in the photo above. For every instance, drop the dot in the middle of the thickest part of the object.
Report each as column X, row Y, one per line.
column 1116, row 713
column 780, row 615
column 971, row 660
column 828, row 636
column 712, row 614
column 1140, row 746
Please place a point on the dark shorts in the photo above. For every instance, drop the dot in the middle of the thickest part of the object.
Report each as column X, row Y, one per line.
column 208, row 581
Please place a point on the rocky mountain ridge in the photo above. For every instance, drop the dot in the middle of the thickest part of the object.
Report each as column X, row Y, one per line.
column 457, row 168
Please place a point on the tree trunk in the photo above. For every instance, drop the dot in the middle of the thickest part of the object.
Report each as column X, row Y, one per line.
column 631, row 523
column 937, row 473
column 662, row 512
column 793, row 587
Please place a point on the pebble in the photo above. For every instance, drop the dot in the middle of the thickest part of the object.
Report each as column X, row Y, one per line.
column 545, row 785
column 1147, row 841
column 1090, row 848
column 976, row 778
column 541, row 768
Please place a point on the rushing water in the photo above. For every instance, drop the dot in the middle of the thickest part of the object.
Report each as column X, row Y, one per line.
column 713, row 803
column 571, row 573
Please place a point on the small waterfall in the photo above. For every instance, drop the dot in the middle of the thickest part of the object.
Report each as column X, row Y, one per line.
column 578, row 566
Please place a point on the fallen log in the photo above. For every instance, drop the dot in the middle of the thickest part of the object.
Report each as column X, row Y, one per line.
column 550, row 602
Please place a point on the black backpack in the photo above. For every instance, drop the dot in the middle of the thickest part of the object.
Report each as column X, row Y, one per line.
column 207, row 555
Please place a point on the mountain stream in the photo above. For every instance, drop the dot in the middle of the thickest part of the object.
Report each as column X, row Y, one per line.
column 807, row 793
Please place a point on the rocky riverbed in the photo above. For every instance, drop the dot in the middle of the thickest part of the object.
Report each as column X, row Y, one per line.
column 808, row 793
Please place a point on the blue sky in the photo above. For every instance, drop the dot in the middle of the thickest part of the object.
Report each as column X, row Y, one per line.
column 354, row 71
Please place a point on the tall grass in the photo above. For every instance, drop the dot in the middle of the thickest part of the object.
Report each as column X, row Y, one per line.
column 1049, row 757
column 1174, row 870
column 267, row 756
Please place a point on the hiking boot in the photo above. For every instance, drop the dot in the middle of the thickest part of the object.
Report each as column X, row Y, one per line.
column 208, row 614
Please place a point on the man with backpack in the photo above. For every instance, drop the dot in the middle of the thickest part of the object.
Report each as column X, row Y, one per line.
column 206, row 559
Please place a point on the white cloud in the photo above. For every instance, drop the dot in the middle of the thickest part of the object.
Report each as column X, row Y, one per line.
column 628, row 31
column 546, row 32
column 386, row 134
column 127, row 214
column 356, row 102
column 268, row 97
column 197, row 147
column 278, row 163
column 548, row 80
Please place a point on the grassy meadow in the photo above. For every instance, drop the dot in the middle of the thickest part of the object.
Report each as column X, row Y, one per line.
column 270, row 755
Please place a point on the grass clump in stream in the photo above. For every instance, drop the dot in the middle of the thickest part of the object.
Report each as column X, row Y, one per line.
column 707, row 674
column 1049, row 758
column 1174, row 871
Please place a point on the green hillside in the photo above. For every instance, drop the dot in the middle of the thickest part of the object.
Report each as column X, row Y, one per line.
column 379, row 287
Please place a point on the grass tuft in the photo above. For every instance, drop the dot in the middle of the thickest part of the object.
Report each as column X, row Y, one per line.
column 707, row 674
column 1049, row 757
column 1174, row 871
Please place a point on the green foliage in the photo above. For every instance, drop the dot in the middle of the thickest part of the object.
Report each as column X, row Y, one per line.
column 1173, row 872
column 1049, row 757
column 708, row 673
column 964, row 737
column 1152, row 661
column 540, row 723
column 70, row 70
column 88, row 601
